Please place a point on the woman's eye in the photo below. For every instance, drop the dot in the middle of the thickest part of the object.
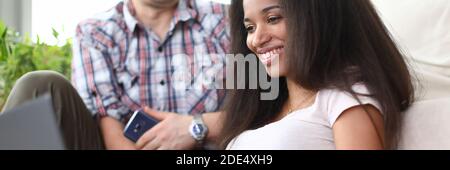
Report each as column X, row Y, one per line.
column 273, row 19
column 249, row 28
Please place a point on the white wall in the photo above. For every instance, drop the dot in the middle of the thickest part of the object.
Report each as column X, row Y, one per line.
column 16, row 14
column 38, row 17
column 64, row 15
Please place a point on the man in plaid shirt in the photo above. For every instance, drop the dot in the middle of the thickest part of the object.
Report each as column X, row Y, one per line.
column 164, row 57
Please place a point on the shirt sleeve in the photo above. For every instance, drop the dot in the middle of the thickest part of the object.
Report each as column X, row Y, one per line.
column 218, row 23
column 224, row 40
column 340, row 101
column 222, row 30
column 92, row 73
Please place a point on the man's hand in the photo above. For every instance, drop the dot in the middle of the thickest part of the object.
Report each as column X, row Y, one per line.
column 171, row 133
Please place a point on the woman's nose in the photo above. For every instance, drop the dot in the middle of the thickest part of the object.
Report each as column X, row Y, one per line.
column 261, row 37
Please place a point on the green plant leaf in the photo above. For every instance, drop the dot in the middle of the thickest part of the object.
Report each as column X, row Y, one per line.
column 3, row 43
column 19, row 55
column 3, row 29
column 55, row 33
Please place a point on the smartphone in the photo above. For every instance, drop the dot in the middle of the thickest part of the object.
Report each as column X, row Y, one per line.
column 139, row 123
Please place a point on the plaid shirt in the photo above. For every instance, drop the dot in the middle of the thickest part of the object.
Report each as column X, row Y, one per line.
column 120, row 66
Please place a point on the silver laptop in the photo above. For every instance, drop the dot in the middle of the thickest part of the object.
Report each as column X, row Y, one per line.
column 31, row 126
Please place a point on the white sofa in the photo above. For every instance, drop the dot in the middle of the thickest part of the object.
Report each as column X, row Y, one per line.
column 421, row 29
column 427, row 126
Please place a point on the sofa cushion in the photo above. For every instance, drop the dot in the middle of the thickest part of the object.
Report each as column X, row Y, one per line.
column 426, row 125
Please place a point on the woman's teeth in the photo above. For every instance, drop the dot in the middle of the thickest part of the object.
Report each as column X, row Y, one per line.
column 268, row 57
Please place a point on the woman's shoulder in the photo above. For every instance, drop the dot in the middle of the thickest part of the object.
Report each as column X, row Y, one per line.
column 334, row 101
column 358, row 88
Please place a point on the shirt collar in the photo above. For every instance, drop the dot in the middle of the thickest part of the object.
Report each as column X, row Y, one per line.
column 183, row 13
column 129, row 12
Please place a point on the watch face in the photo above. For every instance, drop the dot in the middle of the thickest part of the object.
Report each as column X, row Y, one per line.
column 198, row 129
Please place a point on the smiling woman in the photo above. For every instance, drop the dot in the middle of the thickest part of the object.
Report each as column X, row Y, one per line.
column 266, row 36
column 343, row 82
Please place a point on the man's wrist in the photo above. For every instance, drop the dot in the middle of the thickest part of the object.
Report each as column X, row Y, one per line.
column 198, row 128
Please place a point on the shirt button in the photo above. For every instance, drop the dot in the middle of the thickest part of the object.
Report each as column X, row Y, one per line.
column 160, row 49
column 162, row 83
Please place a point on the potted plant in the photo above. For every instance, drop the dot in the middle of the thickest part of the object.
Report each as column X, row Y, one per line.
column 20, row 55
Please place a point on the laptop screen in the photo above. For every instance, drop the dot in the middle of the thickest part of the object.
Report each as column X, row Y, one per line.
column 31, row 126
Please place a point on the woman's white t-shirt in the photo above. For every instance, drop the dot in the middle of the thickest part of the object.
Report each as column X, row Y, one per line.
column 305, row 129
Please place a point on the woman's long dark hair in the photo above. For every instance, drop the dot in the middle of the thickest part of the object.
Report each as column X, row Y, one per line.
column 330, row 44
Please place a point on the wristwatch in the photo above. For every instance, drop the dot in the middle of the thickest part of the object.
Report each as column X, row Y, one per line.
column 198, row 128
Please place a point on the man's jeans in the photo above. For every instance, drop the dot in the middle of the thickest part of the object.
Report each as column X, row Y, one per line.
column 79, row 128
